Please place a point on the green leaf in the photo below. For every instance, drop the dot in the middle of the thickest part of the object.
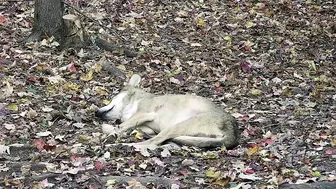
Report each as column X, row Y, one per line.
column 316, row 174
column 174, row 73
column 32, row 90
column 44, row 123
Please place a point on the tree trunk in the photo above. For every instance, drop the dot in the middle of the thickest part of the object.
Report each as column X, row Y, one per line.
column 48, row 21
column 67, row 30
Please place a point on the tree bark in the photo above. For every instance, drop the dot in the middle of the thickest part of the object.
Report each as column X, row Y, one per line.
column 48, row 21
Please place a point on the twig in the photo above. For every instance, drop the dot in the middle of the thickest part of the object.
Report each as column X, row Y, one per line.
column 5, row 29
column 103, row 44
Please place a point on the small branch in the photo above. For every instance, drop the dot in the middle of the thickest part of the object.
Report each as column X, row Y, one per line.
column 6, row 29
column 111, row 47
column 112, row 70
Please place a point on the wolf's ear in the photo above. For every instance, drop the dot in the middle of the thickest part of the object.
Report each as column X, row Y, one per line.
column 135, row 80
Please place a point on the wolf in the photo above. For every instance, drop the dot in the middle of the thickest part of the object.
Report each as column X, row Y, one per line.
column 183, row 119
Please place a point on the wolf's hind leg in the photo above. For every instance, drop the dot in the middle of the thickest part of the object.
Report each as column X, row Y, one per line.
column 209, row 129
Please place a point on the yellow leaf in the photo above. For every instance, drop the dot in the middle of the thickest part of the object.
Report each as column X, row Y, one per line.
column 24, row 100
column 228, row 38
column 210, row 155
column 129, row 74
column 200, row 22
column 156, row 35
column 121, row 67
column 106, row 102
column 97, row 67
column 253, row 150
column 13, row 107
column 139, row 135
column 111, row 182
column 83, row 138
column 333, row 141
column 260, row 5
column 101, row 91
column 249, row 24
column 88, row 76
column 71, row 86
column 51, row 89
column 222, row 182
column 255, row 92
column 211, row 173
column 223, row 149
column 142, row 49
column 313, row 65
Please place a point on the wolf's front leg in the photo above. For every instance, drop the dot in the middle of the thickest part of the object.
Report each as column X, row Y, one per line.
column 164, row 135
column 136, row 120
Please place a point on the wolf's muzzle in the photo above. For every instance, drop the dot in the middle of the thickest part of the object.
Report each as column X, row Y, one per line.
column 100, row 113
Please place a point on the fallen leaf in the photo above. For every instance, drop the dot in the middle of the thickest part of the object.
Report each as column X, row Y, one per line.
column 187, row 162
column 139, row 135
column 72, row 68
column 255, row 92
column 165, row 153
column 43, row 134
column 3, row 20
column 110, row 182
column 195, row 44
column 313, row 65
column 330, row 152
column 88, row 76
column 13, row 107
column 253, row 150
column 200, row 22
column 109, row 129
column 316, row 174
column 249, row 177
column 98, row 165
column 4, row 149
column 245, row 66
column 249, row 24
column 9, row 126
column 222, row 182
column 39, row 144
column 212, row 173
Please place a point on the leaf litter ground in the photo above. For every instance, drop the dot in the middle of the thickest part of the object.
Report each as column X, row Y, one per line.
column 270, row 64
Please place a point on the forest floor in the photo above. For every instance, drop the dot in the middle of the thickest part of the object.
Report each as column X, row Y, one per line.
column 271, row 64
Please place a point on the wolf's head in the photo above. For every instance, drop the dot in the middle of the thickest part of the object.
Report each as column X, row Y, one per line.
column 124, row 104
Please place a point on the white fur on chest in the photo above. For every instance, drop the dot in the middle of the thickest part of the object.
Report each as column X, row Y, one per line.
column 129, row 110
